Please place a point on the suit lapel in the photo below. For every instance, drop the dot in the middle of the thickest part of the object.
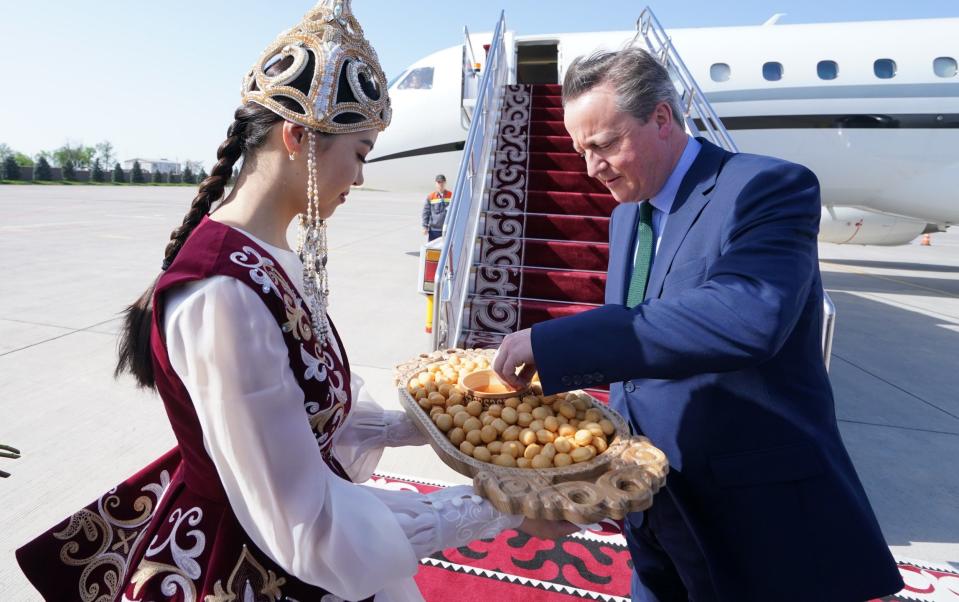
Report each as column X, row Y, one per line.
column 690, row 200
column 622, row 230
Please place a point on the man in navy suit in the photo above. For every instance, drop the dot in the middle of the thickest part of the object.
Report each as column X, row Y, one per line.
column 710, row 339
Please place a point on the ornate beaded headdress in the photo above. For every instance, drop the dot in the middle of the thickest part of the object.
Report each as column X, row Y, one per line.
column 330, row 37
column 347, row 93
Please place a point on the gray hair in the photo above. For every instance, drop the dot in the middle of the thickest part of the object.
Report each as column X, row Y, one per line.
column 640, row 80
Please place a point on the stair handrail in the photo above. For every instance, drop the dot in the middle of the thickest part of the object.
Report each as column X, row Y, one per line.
column 451, row 283
column 659, row 43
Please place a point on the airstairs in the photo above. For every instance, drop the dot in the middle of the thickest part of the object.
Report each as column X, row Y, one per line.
column 526, row 236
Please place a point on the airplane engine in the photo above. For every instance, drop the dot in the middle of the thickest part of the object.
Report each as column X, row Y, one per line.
column 851, row 226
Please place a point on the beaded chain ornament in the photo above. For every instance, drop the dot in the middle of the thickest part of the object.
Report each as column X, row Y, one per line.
column 331, row 40
column 312, row 249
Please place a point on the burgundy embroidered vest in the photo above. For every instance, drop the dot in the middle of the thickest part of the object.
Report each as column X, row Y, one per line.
column 214, row 249
column 168, row 532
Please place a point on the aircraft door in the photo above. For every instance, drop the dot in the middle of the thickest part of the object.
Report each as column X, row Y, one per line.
column 537, row 62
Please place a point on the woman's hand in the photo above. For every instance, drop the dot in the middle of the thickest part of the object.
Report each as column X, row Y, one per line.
column 547, row 529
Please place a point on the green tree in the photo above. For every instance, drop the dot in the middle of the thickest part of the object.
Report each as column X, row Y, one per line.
column 157, row 176
column 23, row 160
column 98, row 175
column 43, row 171
column 80, row 156
column 137, row 177
column 118, row 176
column 69, row 171
column 5, row 151
column 188, row 177
column 11, row 171
column 104, row 152
column 202, row 175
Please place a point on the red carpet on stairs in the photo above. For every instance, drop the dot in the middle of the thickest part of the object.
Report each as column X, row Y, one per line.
column 542, row 249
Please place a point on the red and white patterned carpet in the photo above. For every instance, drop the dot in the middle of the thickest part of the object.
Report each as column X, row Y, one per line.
column 591, row 565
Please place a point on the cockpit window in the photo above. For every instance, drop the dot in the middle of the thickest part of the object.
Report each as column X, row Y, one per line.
column 417, row 79
column 389, row 85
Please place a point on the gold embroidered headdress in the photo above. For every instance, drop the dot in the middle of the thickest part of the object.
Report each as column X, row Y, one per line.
column 329, row 40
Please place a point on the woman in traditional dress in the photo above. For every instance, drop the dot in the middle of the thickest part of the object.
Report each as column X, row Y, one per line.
column 259, row 500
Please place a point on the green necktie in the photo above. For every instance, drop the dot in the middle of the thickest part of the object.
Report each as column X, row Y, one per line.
column 644, row 256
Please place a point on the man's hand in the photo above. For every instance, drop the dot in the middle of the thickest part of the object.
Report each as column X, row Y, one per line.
column 547, row 529
column 514, row 352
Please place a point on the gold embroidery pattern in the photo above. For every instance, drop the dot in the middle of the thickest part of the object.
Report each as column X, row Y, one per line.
column 248, row 582
column 104, row 532
column 327, row 416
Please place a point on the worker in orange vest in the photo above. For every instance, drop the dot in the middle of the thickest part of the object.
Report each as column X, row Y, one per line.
column 434, row 210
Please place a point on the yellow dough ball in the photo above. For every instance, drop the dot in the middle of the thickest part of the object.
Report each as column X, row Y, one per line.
column 523, row 463
column 504, row 460
column 511, row 433
column 542, row 461
column 566, row 430
column 425, row 403
column 607, row 426
column 488, row 433
column 580, row 454
column 472, row 424
column 544, row 436
column 454, row 398
column 600, row 444
column 495, row 410
column 457, row 436
column 460, row 418
column 512, row 402
column 582, row 438
column 486, row 419
column 549, row 450
column 537, row 425
column 527, row 437
column 513, row 448
column 467, row 448
column 551, row 424
column 474, row 437
column 495, row 447
column 475, row 408
column 560, row 460
column 532, row 451
column 567, row 410
column 524, row 419
column 594, row 415
column 444, row 422
column 482, row 454
column 563, row 445
column 509, row 415
column 524, row 408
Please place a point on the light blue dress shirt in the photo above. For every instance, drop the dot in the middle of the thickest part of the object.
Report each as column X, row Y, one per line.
column 662, row 202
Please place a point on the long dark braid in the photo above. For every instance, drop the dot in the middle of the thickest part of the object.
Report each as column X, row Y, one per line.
column 251, row 125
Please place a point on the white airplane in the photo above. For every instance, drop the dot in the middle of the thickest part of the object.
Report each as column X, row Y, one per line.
column 871, row 107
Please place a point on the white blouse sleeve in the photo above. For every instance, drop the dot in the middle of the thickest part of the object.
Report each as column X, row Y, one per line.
column 369, row 428
column 225, row 346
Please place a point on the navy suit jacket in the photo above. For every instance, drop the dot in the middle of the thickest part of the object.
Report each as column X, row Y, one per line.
column 721, row 367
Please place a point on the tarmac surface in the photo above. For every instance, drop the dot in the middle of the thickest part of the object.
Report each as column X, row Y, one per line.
column 76, row 255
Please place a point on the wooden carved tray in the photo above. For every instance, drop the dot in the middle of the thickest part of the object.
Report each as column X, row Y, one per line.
column 620, row 480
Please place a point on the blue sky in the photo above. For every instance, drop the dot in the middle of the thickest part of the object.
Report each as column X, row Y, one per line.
column 162, row 80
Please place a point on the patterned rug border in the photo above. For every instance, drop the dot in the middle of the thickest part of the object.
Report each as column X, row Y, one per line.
column 516, row 579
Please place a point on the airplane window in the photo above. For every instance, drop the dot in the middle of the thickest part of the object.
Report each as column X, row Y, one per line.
column 418, row 79
column 945, row 66
column 396, row 78
column 719, row 72
column 773, row 71
column 884, row 68
column 827, row 69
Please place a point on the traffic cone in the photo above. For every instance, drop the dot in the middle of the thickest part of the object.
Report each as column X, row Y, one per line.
column 926, row 240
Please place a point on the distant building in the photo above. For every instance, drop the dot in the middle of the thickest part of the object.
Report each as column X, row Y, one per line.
column 153, row 165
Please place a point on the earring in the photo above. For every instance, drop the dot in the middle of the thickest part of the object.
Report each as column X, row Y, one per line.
column 293, row 156
column 312, row 249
